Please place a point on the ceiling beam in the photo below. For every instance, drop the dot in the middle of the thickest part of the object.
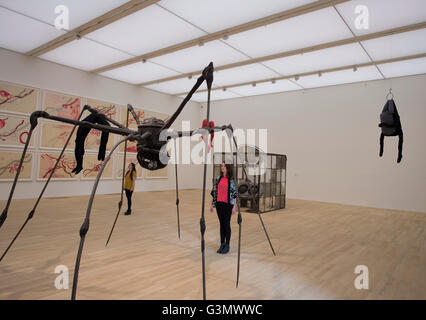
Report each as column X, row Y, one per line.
column 328, row 45
column 317, row 72
column 93, row 25
column 314, row 6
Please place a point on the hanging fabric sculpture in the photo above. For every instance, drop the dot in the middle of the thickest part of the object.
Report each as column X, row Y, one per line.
column 82, row 133
column 391, row 126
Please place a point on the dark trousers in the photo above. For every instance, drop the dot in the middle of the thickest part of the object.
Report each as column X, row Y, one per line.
column 224, row 212
column 129, row 199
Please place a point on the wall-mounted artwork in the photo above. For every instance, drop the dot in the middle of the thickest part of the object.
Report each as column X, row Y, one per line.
column 16, row 98
column 61, row 105
column 109, row 109
column 14, row 130
column 63, row 171
column 91, row 167
column 9, row 162
column 129, row 159
column 157, row 174
column 54, row 135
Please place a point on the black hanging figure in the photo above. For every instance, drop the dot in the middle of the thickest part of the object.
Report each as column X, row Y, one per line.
column 391, row 126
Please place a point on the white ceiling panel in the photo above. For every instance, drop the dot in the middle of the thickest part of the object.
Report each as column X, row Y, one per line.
column 403, row 68
column 399, row 45
column 176, row 86
column 250, row 72
column 80, row 11
column 139, row 72
column 340, row 77
column 319, row 60
column 383, row 14
column 85, row 55
column 265, row 88
column 309, row 29
column 197, row 58
column 218, row 15
column 22, row 34
column 215, row 95
column 146, row 30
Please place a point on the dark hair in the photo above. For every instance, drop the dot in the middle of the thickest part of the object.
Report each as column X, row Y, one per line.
column 131, row 171
column 229, row 171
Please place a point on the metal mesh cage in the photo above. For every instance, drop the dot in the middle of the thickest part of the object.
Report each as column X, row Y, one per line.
column 268, row 180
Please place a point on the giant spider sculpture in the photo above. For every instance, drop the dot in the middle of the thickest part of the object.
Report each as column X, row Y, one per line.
column 151, row 136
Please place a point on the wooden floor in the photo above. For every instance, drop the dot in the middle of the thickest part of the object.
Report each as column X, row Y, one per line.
column 318, row 246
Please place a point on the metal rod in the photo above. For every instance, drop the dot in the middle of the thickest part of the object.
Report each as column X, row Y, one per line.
column 122, row 182
column 177, row 189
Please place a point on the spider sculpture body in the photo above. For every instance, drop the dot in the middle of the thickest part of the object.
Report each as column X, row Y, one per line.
column 151, row 137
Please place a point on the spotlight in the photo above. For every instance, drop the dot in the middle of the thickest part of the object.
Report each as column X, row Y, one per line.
column 143, row 60
column 190, row 77
column 253, row 84
column 355, row 68
column 296, row 78
column 224, row 89
column 273, row 81
column 225, row 36
column 201, row 43
column 78, row 36
column 320, row 74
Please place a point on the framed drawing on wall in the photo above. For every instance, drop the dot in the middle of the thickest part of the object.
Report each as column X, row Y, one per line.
column 14, row 130
column 91, row 167
column 61, row 105
column 64, row 169
column 9, row 162
column 17, row 98
column 157, row 174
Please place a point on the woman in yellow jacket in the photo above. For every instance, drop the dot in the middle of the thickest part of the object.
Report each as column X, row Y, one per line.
column 129, row 186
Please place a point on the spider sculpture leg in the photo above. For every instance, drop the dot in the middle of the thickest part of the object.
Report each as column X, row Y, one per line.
column 177, row 191
column 33, row 122
column 31, row 214
column 85, row 226
column 120, row 203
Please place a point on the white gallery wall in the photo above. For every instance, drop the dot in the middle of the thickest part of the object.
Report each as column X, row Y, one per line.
column 331, row 138
column 34, row 72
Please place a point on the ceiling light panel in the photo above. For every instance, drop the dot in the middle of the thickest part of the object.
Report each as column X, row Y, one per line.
column 139, row 72
column 309, row 29
column 266, row 87
column 350, row 54
column 250, row 72
column 22, row 34
column 382, row 14
column 403, row 68
column 398, row 45
column 197, row 58
column 84, row 55
column 80, row 11
column 217, row 15
column 147, row 30
column 175, row 86
column 215, row 95
column 340, row 77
